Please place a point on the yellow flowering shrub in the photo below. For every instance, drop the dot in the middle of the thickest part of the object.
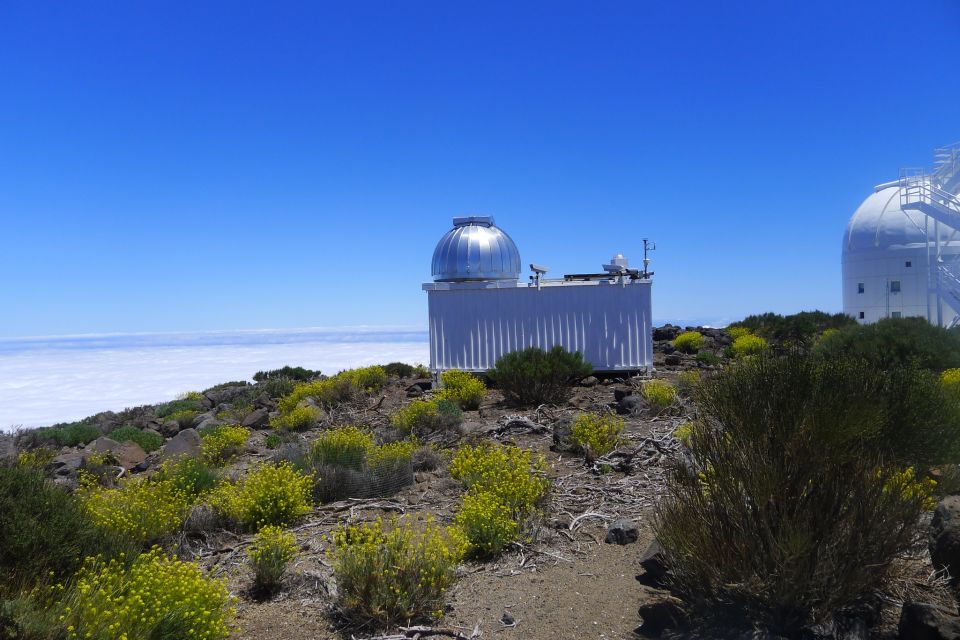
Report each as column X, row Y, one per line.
column 367, row 379
column 688, row 342
column 426, row 416
column 905, row 484
column 344, row 446
column 269, row 554
column 269, row 495
column 335, row 389
column 513, row 475
column 156, row 597
column 738, row 332
column 487, row 524
column 748, row 345
column 688, row 380
column 297, row 419
column 684, row 433
column 189, row 476
column 36, row 458
column 596, row 434
column 950, row 380
column 140, row 510
column 462, row 388
column 395, row 574
column 223, row 443
column 659, row 394
column 391, row 456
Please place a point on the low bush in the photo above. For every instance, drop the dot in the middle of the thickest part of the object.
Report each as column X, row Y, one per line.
column 688, row 342
column 737, row 332
column 157, row 597
column 659, row 394
column 399, row 369
column 783, row 513
column 37, row 458
column 895, row 342
column 43, row 530
column 148, row 441
column 950, row 380
column 69, row 434
column 271, row 551
column 272, row 440
column 687, row 381
column 328, row 393
column 423, row 417
column 596, row 434
column 748, row 345
column 345, row 447
column 184, row 417
column 222, row 443
column 393, row 575
column 684, row 433
column 286, row 373
column 799, row 329
column 190, row 402
column 140, row 510
column 462, row 388
column 487, row 523
column 297, row 419
column 708, row 358
column 189, row 476
column 532, row 376
column 270, row 495
column 366, row 379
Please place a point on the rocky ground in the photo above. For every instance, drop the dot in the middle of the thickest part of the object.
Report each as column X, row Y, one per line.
column 578, row 576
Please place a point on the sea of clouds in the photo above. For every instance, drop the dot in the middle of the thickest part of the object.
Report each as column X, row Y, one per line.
column 46, row 380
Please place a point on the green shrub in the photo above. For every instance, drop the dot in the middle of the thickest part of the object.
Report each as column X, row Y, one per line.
column 895, row 342
column 462, row 388
column 183, row 418
column 192, row 403
column 366, row 379
column 286, row 373
column 277, row 387
column 345, row 447
column 270, row 495
column 708, row 358
column 271, row 551
column 43, row 529
column 140, row 510
column 688, row 342
column 659, row 394
column 398, row 369
column 749, row 345
column 157, row 597
column 69, row 434
column 785, row 513
column 296, row 419
column 272, row 440
column 596, row 434
column 798, row 329
column 222, row 443
column 423, row 417
column 36, row 459
column 532, row 376
column 394, row 575
column 515, row 476
column 189, row 476
column 147, row 441
column 737, row 332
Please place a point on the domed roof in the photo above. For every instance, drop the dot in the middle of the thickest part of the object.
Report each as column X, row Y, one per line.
column 475, row 249
column 880, row 223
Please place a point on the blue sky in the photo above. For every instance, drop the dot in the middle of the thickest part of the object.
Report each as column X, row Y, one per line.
column 169, row 166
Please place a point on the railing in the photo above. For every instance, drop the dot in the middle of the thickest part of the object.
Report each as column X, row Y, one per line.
column 918, row 192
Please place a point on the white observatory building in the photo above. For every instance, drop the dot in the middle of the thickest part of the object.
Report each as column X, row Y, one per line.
column 480, row 309
column 901, row 250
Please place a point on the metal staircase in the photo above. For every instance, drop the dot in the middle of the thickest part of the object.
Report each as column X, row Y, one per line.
column 935, row 196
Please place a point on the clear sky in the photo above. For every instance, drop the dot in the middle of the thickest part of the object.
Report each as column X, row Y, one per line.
column 222, row 165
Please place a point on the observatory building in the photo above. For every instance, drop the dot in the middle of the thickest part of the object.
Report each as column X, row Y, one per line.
column 901, row 250
column 480, row 309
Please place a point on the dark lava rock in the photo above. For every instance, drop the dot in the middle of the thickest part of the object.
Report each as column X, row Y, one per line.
column 926, row 622
column 623, row 531
column 945, row 536
column 673, row 360
column 169, row 428
column 589, row 381
column 257, row 419
column 227, row 394
column 666, row 332
column 654, row 565
column 185, row 444
column 561, row 435
column 630, row 404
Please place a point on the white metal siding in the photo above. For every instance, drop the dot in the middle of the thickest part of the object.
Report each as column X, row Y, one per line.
column 610, row 324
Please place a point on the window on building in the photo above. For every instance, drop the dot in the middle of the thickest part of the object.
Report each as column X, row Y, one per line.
column 894, row 286
column 908, row 263
column 861, row 315
column 895, row 314
column 859, row 287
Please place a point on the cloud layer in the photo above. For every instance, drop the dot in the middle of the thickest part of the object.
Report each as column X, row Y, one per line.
column 49, row 380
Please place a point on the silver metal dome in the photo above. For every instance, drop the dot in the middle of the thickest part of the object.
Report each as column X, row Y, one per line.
column 475, row 249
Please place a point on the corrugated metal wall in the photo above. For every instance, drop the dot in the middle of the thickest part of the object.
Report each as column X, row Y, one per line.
column 609, row 324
